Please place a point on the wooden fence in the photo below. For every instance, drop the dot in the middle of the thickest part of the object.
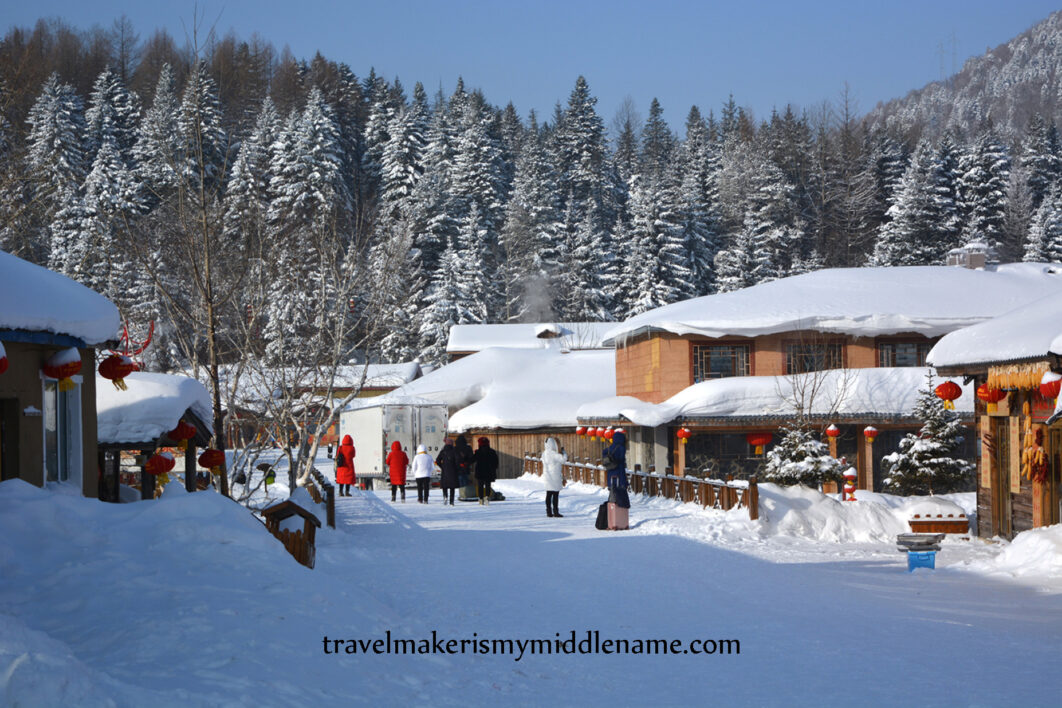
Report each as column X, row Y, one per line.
column 322, row 492
column 303, row 550
column 709, row 493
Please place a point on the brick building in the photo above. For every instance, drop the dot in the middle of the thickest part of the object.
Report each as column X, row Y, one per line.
column 789, row 330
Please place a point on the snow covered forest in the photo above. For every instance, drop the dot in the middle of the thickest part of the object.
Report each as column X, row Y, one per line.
column 246, row 199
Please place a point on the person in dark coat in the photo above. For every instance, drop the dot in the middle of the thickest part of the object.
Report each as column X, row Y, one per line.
column 397, row 464
column 465, row 459
column 449, row 463
column 617, row 477
column 345, row 466
column 486, row 461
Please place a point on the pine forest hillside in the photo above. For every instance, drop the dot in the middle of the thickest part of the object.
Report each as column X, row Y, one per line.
column 248, row 201
column 1007, row 87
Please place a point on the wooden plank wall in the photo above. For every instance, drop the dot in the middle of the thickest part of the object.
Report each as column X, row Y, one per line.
column 512, row 445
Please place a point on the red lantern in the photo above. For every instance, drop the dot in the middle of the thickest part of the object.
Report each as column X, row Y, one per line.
column 212, row 459
column 608, row 434
column 991, row 396
column 758, row 441
column 870, row 432
column 833, row 431
column 115, row 368
column 3, row 359
column 948, row 392
column 850, row 476
column 182, row 434
column 1050, row 384
column 581, row 430
column 161, row 463
column 683, row 435
column 62, row 366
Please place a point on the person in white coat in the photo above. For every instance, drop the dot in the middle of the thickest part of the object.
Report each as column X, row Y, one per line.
column 422, row 469
column 553, row 476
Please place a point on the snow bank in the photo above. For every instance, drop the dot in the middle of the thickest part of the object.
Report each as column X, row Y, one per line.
column 1037, row 552
column 849, row 392
column 931, row 300
column 151, row 407
column 49, row 302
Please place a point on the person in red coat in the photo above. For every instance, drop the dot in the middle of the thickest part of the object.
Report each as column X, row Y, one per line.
column 397, row 463
column 345, row 466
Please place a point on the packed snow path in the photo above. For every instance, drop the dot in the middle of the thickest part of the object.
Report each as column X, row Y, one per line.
column 838, row 632
column 188, row 602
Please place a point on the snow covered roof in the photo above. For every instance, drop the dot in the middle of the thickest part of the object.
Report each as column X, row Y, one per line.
column 1029, row 332
column 844, row 393
column 151, row 407
column 931, row 300
column 515, row 388
column 36, row 299
column 572, row 335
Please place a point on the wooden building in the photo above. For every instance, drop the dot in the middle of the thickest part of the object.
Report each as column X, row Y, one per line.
column 135, row 423
column 1017, row 359
column 779, row 334
column 48, row 412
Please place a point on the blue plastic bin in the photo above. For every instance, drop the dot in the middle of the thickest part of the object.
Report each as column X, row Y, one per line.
column 921, row 559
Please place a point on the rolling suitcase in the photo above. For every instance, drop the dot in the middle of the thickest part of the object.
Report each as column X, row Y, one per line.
column 619, row 504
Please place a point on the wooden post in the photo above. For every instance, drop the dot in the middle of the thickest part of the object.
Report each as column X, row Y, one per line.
column 680, row 458
column 752, row 499
column 189, row 468
column 147, row 483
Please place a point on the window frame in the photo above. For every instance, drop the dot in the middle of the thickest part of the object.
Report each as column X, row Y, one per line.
column 733, row 345
column 830, row 342
column 68, row 433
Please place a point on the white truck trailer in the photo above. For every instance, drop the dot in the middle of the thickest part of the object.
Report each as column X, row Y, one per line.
column 374, row 427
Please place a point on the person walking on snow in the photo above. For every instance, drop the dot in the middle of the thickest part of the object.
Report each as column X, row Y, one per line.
column 486, row 461
column 345, row 466
column 422, row 467
column 397, row 464
column 450, row 465
column 465, row 459
column 553, row 476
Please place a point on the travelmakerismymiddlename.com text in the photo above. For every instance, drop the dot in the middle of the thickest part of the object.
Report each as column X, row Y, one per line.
column 589, row 642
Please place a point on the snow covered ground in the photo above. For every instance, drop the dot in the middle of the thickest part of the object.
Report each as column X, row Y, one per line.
column 188, row 602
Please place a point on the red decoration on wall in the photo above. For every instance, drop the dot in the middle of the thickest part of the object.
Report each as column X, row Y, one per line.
column 581, row 430
column 161, row 463
column 758, row 441
column 1050, row 385
column 212, row 459
column 115, row 368
column 833, row 431
column 608, row 434
column 870, row 432
column 182, row 434
column 990, row 396
column 948, row 392
column 683, row 435
column 62, row 366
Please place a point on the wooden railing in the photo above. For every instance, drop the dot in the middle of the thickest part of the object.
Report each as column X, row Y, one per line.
column 299, row 546
column 709, row 493
column 322, row 492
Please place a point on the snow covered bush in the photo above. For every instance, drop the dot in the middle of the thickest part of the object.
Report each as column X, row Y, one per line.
column 801, row 459
column 925, row 463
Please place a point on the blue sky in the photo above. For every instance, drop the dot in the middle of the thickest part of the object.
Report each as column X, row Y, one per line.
column 767, row 53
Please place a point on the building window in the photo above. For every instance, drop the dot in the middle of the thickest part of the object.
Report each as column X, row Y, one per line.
column 903, row 353
column 718, row 361
column 802, row 357
column 62, row 433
